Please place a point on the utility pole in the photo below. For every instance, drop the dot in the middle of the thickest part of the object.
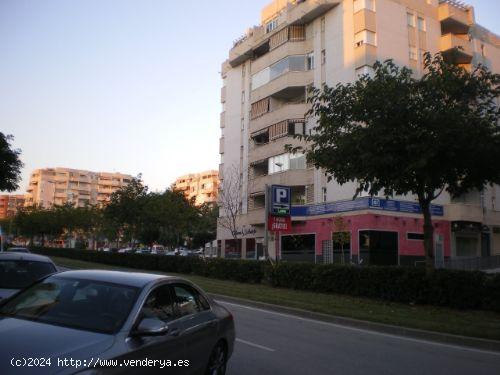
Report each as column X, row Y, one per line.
column 266, row 218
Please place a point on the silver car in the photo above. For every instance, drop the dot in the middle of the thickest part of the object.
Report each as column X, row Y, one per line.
column 107, row 320
column 19, row 270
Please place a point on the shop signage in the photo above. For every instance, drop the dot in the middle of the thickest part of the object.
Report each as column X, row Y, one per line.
column 279, row 223
column 365, row 203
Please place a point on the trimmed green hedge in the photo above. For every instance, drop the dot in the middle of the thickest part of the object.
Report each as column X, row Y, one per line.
column 456, row 289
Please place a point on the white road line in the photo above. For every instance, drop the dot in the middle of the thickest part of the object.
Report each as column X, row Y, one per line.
column 255, row 345
column 420, row 341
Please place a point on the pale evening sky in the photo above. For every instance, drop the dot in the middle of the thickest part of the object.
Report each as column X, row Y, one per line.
column 123, row 85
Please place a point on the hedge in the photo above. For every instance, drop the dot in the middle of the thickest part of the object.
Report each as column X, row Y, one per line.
column 448, row 288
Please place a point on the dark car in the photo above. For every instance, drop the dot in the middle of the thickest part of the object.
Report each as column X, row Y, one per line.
column 19, row 270
column 97, row 316
column 17, row 250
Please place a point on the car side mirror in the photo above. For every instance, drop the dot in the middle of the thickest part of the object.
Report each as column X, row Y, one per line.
column 151, row 327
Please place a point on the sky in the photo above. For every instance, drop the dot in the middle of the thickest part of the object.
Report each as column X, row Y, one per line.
column 129, row 86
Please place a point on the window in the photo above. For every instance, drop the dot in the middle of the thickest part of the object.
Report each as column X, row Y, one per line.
column 310, row 61
column 279, row 163
column 271, row 25
column 410, row 19
column 243, row 96
column 322, row 24
column 298, row 248
column 188, row 301
column 298, row 161
column 295, row 63
column 413, row 53
column 159, row 304
column 323, row 57
column 415, row 236
column 324, row 194
column 365, row 37
column 421, row 24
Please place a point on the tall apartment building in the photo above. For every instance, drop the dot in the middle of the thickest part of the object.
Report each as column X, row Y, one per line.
column 265, row 80
column 203, row 187
column 10, row 204
column 57, row 186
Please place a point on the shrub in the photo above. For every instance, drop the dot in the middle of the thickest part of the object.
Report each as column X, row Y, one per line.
column 450, row 288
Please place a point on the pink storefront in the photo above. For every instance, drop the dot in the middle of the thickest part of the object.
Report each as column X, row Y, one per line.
column 375, row 237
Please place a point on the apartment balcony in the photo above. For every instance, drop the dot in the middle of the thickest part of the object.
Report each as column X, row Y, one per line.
column 221, row 145
column 456, row 49
column 288, row 48
column 285, row 112
column 365, row 55
column 289, row 177
column 273, row 148
column 256, row 216
column 285, row 87
column 464, row 212
column 223, row 92
column 223, row 119
column 295, row 13
column 455, row 18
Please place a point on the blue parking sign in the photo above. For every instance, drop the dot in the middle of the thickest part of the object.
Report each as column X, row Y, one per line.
column 281, row 199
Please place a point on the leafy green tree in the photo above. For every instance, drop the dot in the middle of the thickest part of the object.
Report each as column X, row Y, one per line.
column 205, row 226
column 398, row 134
column 124, row 211
column 10, row 164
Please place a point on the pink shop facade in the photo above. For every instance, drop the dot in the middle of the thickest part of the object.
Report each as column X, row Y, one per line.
column 377, row 232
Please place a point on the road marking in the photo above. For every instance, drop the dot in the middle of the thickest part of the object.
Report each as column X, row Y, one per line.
column 255, row 345
column 420, row 341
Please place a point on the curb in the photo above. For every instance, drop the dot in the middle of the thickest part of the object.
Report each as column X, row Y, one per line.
column 444, row 338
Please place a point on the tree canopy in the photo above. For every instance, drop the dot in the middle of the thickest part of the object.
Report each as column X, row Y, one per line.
column 10, row 164
column 395, row 133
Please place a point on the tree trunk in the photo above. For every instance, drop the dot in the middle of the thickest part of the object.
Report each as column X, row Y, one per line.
column 428, row 235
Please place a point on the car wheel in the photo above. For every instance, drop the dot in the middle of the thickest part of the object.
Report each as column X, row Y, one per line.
column 218, row 360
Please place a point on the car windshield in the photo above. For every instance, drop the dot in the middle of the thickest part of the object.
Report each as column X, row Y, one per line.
column 81, row 304
column 18, row 274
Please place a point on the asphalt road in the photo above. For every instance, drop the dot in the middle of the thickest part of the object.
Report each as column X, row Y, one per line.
column 275, row 343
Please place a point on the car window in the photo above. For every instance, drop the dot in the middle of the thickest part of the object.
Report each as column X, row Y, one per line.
column 188, row 301
column 159, row 304
column 18, row 274
column 78, row 303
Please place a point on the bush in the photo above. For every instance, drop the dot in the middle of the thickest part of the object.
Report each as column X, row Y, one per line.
column 449, row 288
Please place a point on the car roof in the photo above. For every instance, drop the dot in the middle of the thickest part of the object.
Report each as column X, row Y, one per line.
column 135, row 279
column 24, row 256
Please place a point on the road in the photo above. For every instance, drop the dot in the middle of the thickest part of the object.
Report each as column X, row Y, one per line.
column 275, row 343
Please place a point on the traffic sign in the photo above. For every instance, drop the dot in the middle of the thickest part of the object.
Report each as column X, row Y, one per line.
column 281, row 199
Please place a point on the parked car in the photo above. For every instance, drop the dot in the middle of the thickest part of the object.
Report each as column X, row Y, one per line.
column 17, row 250
column 19, row 270
column 117, row 315
column 126, row 250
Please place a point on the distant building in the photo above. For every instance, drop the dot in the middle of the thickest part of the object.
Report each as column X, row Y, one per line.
column 9, row 204
column 201, row 186
column 58, row 186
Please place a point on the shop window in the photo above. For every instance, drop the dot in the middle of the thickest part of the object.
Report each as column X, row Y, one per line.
column 298, row 248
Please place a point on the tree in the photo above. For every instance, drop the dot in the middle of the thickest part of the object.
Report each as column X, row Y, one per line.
column 340, row 235
column 230, row 203
column 398, row 134
column 125, row 208
column 205, row 226
column 10, row 164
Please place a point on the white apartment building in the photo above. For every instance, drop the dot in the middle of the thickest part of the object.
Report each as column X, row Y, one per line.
column 265, row 79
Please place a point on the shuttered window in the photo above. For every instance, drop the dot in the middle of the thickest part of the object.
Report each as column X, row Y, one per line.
column 259, row 108
column 278, row 39
column 297, row 33
column 278, row 130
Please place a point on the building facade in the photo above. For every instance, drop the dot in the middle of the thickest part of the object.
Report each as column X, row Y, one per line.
column 202, row 187
column 306, row 43
column 10, row 204
column 58, row 186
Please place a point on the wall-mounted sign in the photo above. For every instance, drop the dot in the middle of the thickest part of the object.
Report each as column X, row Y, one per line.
column 365, row 203
column 281, row 200
column 279, row 223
